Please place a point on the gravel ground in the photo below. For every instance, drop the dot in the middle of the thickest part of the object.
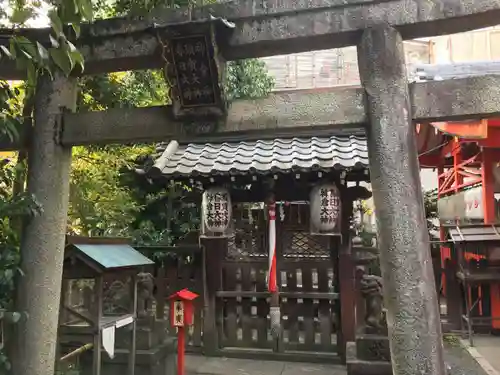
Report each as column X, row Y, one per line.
column 460, row 361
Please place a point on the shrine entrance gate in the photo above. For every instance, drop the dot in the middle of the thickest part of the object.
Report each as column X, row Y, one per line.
column 307, row 282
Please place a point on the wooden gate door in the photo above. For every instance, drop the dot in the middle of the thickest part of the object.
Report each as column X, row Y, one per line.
column 308, row 292
column 309, row 295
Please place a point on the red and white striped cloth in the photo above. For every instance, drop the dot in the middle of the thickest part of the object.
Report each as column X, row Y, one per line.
column 271, row 280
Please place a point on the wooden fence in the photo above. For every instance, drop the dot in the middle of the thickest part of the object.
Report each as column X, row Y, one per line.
column 308, row 304
column 451, row 293
column 178, row 268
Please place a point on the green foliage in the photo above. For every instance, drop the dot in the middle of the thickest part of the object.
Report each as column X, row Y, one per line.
column 65, row 18
column 129, row 89
column 430, row 203
column 167, row 215
column 10, row 110
column 13, row 209
column 248, row 79
column 99, row 206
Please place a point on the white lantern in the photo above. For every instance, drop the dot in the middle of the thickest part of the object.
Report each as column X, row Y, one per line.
column 216, row 211
column 325, row 210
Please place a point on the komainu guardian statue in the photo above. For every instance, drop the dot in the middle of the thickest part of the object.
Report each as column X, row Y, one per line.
column 371, row 290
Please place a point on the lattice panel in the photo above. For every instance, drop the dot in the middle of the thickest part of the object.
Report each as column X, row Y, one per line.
column 301, row 244
column 294, row 216
column 250, row 236
column 247, row 245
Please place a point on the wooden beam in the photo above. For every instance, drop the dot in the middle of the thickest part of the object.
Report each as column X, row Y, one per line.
column 266, row 28
column 284, row 114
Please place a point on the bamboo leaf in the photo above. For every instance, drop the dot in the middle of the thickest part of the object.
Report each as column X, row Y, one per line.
column 76, row 29
column 69, row 12
column 32, row 75
column 6, row 52
column 13, row 48
column 42, row 52
column 78, row 59
column 53, row 42
column 11, row 129
column 21, row 60
column 85, row 8
column 21, row 15
column 25, row 55
column 27, row 46
column 56, row 23
column 71, row 47
column 62, row 60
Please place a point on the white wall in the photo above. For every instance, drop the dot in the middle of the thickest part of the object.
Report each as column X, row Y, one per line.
column 328, row 68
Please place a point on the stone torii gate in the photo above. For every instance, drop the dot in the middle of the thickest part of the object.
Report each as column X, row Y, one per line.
column 384, row 108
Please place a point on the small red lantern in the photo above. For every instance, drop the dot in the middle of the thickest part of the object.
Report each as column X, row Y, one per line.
column 181, row 308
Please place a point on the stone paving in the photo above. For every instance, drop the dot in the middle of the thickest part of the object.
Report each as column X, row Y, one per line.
column 486, row 349
column 460, row 361
column 198, row 365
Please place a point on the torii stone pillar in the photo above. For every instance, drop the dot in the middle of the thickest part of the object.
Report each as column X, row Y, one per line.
column 409, row 288
column 42, row 244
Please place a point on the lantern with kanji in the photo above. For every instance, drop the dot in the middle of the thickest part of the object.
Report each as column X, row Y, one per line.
column 216, row 211
column 182, row 308
column 325, row 210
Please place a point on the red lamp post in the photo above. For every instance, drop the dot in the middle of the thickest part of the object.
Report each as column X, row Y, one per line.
column 181, row 316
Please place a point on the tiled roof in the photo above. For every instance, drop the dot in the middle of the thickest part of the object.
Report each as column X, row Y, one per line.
column 266, row 156
column 431, row 72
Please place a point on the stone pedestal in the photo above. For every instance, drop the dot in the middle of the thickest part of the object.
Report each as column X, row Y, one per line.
column 150, row 334
column 370, row 354
column 156, row 352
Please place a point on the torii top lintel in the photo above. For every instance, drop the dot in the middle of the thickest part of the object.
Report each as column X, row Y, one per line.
column 271, row 27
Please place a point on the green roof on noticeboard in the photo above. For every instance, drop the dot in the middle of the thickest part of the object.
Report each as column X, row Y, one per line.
column 110, row 256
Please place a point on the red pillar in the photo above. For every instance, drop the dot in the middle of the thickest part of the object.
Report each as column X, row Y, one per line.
column 181, row 346
column 488, row 186
column 458, row 180
column 443, row 250
column 488, row 183
column 457, row 160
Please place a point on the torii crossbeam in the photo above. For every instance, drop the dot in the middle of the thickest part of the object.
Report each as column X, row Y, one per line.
column 282, row 114
column 271, row 27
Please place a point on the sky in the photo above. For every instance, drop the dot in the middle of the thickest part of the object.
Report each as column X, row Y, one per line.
column 41, row 20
